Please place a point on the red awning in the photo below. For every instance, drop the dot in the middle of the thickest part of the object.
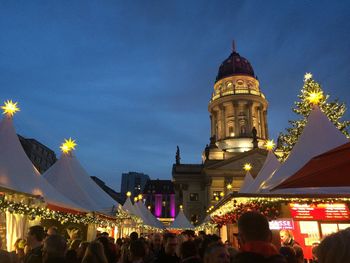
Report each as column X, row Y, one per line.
column 330, row 169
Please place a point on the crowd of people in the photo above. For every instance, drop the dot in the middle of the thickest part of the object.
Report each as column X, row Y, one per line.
column 254, row 239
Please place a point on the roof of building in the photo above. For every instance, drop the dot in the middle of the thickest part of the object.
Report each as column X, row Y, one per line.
column 235, row 64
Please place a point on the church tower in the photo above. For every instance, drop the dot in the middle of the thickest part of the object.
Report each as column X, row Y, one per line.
column 238, row 110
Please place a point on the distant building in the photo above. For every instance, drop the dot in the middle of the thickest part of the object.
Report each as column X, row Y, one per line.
column 133, row 182
column 41, row 156
column 159, row 197
column 120, row 198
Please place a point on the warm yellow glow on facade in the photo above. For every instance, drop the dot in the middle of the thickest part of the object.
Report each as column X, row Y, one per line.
column 10, row 108
column 68, row 145
column 269, row 145
column 128, row 194
column 315, row 97
column 247, row 167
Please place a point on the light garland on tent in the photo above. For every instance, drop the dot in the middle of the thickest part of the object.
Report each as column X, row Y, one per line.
column 46, row 213
column 269, row 206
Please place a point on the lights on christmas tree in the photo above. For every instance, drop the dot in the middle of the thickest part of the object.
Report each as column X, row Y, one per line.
column 247, row 167
column 68, row 145
column 10, row 108
column 307, row 76
column 270, row 145
column 314, row 97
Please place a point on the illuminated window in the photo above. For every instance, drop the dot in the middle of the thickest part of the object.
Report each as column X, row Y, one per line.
column 194, row 196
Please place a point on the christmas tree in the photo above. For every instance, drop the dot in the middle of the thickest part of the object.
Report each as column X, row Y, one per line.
column 311, row 92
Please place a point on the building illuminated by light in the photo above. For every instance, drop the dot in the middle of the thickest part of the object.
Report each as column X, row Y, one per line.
column 238, row 120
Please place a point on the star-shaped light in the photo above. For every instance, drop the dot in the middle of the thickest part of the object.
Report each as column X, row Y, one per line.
column 229, row 186
column 307, row 76
column 140, row 196
column 135, row 199
column 314, row 97
column 181, row 207
column 269, row 145
column 247, row 167
column 68, row 145
column 128, row 194
column 10, row 108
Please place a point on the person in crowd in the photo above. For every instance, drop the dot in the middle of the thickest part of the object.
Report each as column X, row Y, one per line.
column 137, row 251
column 54, row 249
column 169, row 253
column 287, row 238
column 134, row 236
column 18, row 254
column 188, row 235
column 109, row 249
column 216, row 253
column 189, row 252
column 94, row 253
column 72, row 253
column 254, row 238
column 313, row 251
column 81, row 250
column 35, row 237
column 201, row 235
column 156, row 244
column 208, row 240
column 335, row 248
column 299, row 253
column 52, row 231
column 289, row 254
column 4, row 255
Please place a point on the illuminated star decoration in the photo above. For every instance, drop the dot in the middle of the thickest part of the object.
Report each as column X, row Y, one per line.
column 307, row 76
column 269, row 145
column 10, row 108
column 314, row 97
column 128, row 194
column 68, row 145
column 247, row 167
column 229, row 186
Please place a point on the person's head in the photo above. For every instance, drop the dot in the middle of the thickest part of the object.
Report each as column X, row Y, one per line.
column 335, row 248
column 19, row 245
column 134, row 236
column 188, row 249
column 201, row 234
column 54, row 247
column 156, row 240
column 94, row 253
column 188, row 235
column 299, row 253
column 35, row 236
column 289, row 254
column 170, row 243
column 137, row 250
column 253, row 226
column 286, row 237
column 52, row 231
column 216, row 253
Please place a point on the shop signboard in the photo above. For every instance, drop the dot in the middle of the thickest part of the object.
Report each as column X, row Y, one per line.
column 326, row 211
column 282, row 223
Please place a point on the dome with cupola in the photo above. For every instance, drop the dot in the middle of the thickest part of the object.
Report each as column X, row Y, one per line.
column 235, row 64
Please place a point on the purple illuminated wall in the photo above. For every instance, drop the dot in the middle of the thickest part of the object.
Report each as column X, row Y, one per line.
column 172, row 205
column 158, row 205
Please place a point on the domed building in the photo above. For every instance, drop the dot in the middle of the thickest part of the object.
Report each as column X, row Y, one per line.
column 238, row 118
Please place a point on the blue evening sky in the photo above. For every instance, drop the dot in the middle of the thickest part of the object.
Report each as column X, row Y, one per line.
column 130, row 80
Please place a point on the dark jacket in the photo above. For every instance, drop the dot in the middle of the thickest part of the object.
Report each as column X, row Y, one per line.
column 34, row 256
column 251, row 257
column 164, row 258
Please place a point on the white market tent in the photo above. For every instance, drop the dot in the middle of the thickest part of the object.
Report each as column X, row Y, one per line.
column 151, row 218
column 69, row 178
column 248, row 180
column 270, row 165
column 19, row 174
column 129, row 207
column 181, row 222
column 319, row 135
